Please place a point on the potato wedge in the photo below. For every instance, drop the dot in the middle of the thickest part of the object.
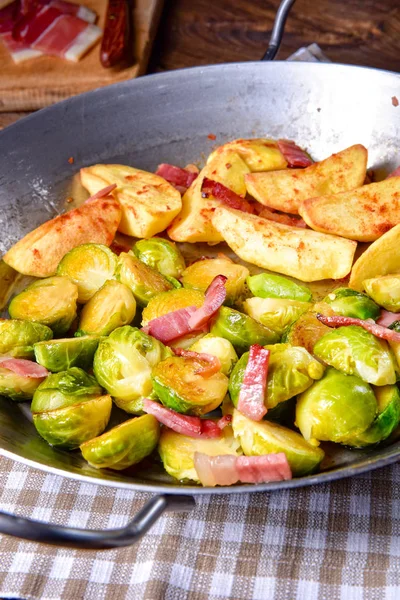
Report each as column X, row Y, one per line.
column 363, row 214
column 40, row 251
column 381, row 258
column 149, row 203
column 301, row 253
column 259, row 154
column 285, row 190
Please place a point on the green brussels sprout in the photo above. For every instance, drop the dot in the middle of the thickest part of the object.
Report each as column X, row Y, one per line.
column 274, row 313
column 123, row 364
column 177, row 451
column 395, row 346
column 124, row 445
column 306, row 331
column 349, row 303
column 291, row 370
column 266, row 285
column 387, row 419
column 112, row 306
column 355, row 351
column 67, row 388
column 336, row 408
column 385, row 291
column 89, row 266
column 50, row 301
column 17, row 387
column 179, row 385
column 8, row 278
column 143, row 281
column 162, row 255
column 167, row 302
column 201, row 273
column 18, row 337
column 264, row 437
column 60, row 355
column 241, row 330
column 219, row 347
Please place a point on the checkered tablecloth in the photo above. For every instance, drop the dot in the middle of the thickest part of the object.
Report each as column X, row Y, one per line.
column 339, row 541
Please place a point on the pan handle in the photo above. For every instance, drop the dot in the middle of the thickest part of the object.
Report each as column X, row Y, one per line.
column 277, row 30
column 96, row 539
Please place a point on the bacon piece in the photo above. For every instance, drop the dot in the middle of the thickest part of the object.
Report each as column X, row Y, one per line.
column 68, row 37
column 184, row 424
column 377, row 330
column 221, row 192
column 102, row 193
column 215, row 297
column 224, row 421
column 396, row 173
column 214, row 364
column 31, row 27
column 387, row 318
column 252, row 393
column 293, row 154
column 26, row 368
column 171, row 326
column 266, row 213
column 179, row 178
column 18, row 50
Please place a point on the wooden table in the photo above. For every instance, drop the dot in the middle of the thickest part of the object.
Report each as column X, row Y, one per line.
column 200, row 32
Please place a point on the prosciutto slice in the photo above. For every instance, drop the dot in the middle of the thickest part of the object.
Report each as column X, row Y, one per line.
column 227, row 196
column 227, row 469
column 184, row 424
column 215, row 297
column 213, row 366
column 387, row 318
column 68, row 37
column 179, row 178
column 26, row 368
column 294, row 155
column 251, row 397
column 18, row 50
column 377, row 330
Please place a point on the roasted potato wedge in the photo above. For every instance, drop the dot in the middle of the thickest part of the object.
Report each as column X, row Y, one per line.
column 285, row 190
column 363, row 214
column 39, row 252
column 148, row 202
column 301, row 253
column 259, row 154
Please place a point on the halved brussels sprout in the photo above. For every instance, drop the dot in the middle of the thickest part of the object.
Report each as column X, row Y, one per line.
column 50, row 301
column 355, row 351
column 112, row 306
column 201, row 273
column 349, row 303
column 264, row 437
column 395, row 346
column 275, row 313
column 143, row 281
column 123, row 363
column 336, row 408
column 179, row 385
column 18, row 337
column 241, row 330
column 60, row 355
column 162, row 255
column 177, row 451
column 266, row 285
column 167, row 302
column 67, row 388
column 219, row 347
column 17, row 387
column 124, row 445
column 8, row 278
column 385, row 291
column 307, row 330
column 387, row 419
column 89, row 266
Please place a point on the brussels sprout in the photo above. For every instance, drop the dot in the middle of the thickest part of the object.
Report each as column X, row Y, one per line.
column 60, row 355
column 177, row 451
column 355, row 351
column 167, row 302
column 69, row 427
column 274, row 313
column 291, row 370
column 349, row 303
column 387, row 419
column 143, row 281
column 50, row 301
column 17, row 387
column 67, row 388
column 8, row 278
column 219, row 347
column 18, row 337
column 336, row 408
column 124, row 445
column 264, row 437
column 266, row 285
column 307, row 330
column 385, row 291
column 89, row 266
column 112, row 306
column 201, row 273
column 123, row 363
column 179, row 385
column 395, row 346
column 241, row 330
column 162, row 255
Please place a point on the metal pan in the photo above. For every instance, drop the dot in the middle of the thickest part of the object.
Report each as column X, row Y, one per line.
column 167, row 118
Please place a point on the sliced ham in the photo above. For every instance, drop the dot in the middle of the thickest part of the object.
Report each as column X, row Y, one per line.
column 387, row 318
column 179, row 178
column 30, row 28
column 377, row 330
column 184, row 424
column 26, row 368
column 396, row 173
column 213, row 366
column 267, row 213
column 227, row 196
column 227, row 469
column 294, row 155
column 252, row 393
column 171, row 326
column 68, row 37
column 215, row 297
column 19, row 51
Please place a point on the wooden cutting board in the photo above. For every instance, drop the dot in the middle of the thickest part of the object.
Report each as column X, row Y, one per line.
column 44, row 80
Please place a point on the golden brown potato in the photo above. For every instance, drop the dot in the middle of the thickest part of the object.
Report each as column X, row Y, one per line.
column 363, row 214
column 285, row 190
column 301, row 253
column 259, row 154
column 40, row 251
column 149, row 203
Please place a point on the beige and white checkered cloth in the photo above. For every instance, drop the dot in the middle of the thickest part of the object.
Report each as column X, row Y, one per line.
column 338, row 541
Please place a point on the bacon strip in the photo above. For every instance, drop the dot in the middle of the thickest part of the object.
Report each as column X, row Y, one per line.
column 171, row 326
column 387, row 318
column 377, row 330
column 215, row 297
column 26, row 368
column 252, row 394
column 396, row 173
column 102, row 193
column 180, row 178
column 227, row 196
column 294, row 155
column 184, row 424
column 214, row 364
column 267, row 213
column 224, row 421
